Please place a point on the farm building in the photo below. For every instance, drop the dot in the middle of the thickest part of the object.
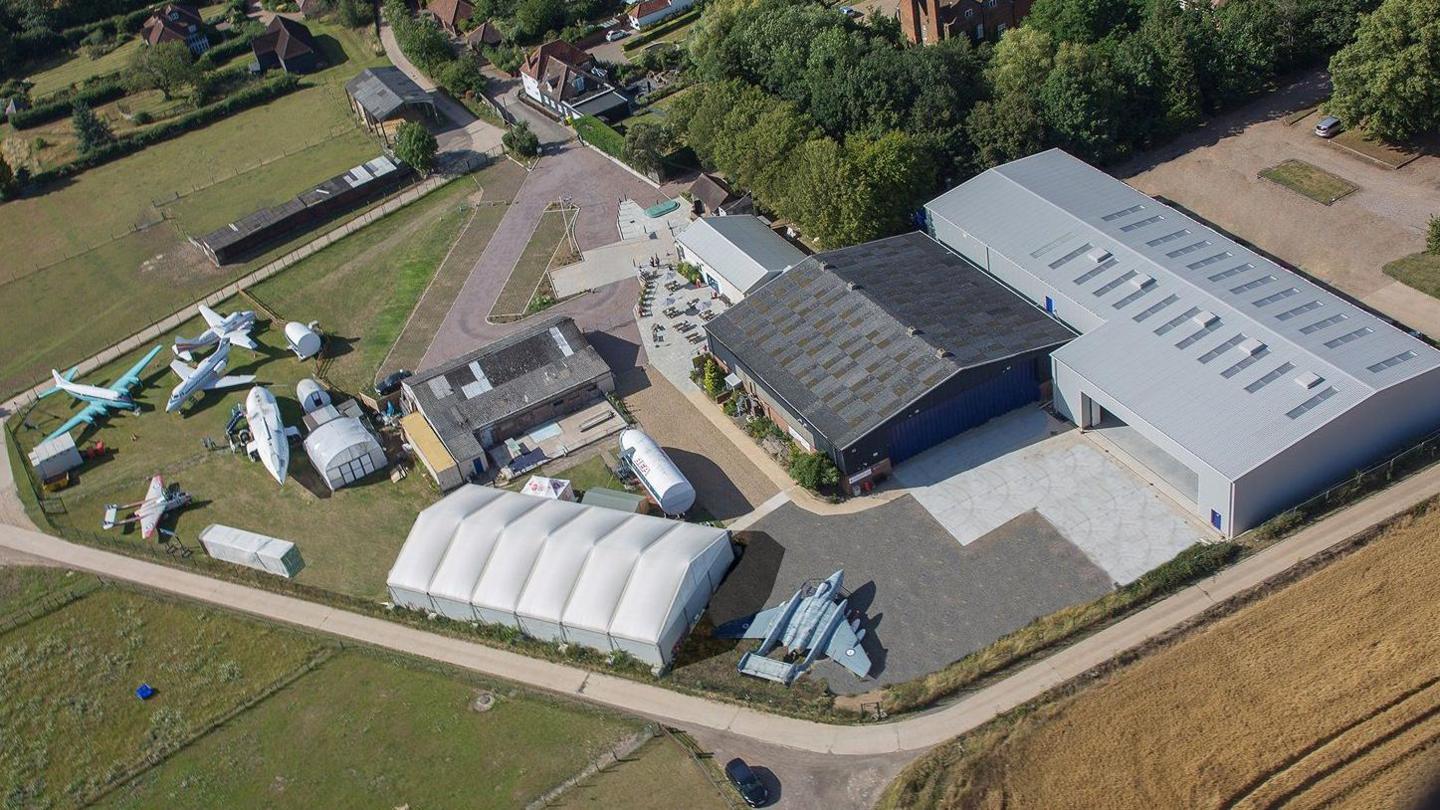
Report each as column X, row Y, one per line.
column 315, row 206
column 499, row 392
column 383, row 97
column 288, row 45
column 736, row 254
column 874, row 353
column 561, row 571
column 340, row 446
column 1235, row 382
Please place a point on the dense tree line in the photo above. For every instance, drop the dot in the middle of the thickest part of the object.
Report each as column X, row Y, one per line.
column 846, row 129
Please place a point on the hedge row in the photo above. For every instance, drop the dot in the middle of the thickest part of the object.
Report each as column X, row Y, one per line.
column 249, row 97
column 60, row 104
column 601, row 135
column 125, row 23
column 226, row 50
column 661, row 30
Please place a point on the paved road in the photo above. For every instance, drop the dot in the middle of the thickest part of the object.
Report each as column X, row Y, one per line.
column 912, row 734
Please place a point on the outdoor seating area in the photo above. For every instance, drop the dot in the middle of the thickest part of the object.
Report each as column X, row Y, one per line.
column 672, row 312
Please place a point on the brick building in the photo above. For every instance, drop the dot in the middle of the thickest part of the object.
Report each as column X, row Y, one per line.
column 929, row 21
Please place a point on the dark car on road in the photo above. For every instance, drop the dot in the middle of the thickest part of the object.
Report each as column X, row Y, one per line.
column 387, row 386
column 745, row 781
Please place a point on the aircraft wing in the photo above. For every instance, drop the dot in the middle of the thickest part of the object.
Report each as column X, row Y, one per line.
column 243, row 340
column 181, row 370
column 211, row 316
column 231, row 381
column 87, row 416
column 844, row 649
column 757, row 626
column 131, row 378
column 153, row 507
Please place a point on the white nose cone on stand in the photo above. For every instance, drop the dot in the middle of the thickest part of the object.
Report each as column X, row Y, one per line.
column 268, row 440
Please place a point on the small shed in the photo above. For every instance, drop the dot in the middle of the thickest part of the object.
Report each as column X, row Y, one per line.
column 342, row 449
column 556, row 489
column 312, row 395
column 383, row 97
column 55, row 457
column 252, row 550
column 614, row 499
column 303, row 340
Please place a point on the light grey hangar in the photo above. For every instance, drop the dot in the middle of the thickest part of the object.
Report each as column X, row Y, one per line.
column 1239, row 383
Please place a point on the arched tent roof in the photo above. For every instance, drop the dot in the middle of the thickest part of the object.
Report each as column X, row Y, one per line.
column 561, row 564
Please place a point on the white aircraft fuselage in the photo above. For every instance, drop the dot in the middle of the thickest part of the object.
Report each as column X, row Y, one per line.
column 209, row 370
column 268, row 439
column 94, row 393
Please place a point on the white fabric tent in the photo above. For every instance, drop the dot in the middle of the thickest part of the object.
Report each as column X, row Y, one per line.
column 344, row 451
column 561, row 571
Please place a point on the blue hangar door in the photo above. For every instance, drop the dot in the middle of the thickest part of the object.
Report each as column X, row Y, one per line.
column 970, row 408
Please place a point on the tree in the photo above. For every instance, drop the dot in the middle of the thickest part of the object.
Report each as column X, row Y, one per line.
column 1388, row 80
column 165, row 67
column 712, row 378
column 356, row 13
column 415, row 146
column 463, row 76
column 1083, row 21
column 1082, row 103
column 521, row 140
column 646, row 146
column 9, row 184
column 91, row 131
column 1432, row 236
column 813, row 470
column 535, row 18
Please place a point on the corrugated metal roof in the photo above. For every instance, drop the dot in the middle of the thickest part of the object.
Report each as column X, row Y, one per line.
column 1210, row 352
column 740, row 247
column 384, row 90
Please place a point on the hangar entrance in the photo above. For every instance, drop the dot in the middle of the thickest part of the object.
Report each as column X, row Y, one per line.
column 1182, row 480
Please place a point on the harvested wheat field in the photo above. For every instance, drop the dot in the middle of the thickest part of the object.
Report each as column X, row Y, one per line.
column 1325, row 693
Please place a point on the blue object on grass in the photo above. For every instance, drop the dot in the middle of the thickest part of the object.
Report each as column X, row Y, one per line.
column 145, row 691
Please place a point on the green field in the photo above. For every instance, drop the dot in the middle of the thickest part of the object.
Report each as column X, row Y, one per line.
column 1311, row 181
column 70, row 719
column 71, row 252
column 588, row 474
column 371, row 280
column 22, row 586
column 660, row 774
column 365, row 732
column 530, row 268
column 348, row 538
column 80, row 67
column 1418, row 270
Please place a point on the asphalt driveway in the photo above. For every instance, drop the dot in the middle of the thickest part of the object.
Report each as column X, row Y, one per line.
column 927, row 600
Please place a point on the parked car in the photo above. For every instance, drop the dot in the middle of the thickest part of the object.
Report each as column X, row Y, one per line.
column 745, row 781
column 851, row 12
column 1328, row 127
column 616, row 35
column 387, row 386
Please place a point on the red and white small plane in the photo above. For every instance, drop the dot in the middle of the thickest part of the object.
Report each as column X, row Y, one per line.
column 148, row 512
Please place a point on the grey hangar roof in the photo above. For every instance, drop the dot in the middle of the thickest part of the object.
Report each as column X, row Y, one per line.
column 851, row 337
column 463, row 396
column 1229, row 354
column 382, row 91
column 739, row 246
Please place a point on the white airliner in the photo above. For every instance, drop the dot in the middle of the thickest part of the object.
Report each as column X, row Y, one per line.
column 205, row 377
column 234, row 327
column 269, row 438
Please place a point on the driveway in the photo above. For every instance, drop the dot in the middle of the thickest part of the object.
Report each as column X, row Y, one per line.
column 1026, row 461
column 461, row 132
column 1214, row 173
column 927, row 600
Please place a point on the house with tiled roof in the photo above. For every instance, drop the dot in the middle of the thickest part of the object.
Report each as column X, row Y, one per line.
column 451, row 14
column 176, row 23
column 288, row 45
column 568, row 83
column 650, row 12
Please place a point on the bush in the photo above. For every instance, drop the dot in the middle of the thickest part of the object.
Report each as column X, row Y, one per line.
column 814, row 471
column 415, row 146
column 59, row 105
column 237, row 44
column 142, row 118
column 521, row 141
column 689, row 272
column 505, row 58
column 356, row 13
column 600, row 135
column 712, row 378
column 462, row 76
column 1432, row 236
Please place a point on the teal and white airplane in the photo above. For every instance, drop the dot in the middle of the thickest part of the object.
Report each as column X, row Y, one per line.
column 99, row 400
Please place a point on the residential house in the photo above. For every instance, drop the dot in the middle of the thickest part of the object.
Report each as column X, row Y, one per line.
column 568, row 83
column 176, row 23
column 451, row 14
column 649, row 12
column 288, row 45
column 926, row 22
column 484, row 35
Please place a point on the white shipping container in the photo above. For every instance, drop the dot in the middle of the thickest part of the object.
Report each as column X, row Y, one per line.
column 252, row 550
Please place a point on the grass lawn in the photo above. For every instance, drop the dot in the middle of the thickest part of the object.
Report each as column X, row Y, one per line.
column 21, row 586
column 129, row 279
column 549, row 236
column 348, row 539
column 500, row 182
column 361, row 731
column 1390, row 154
column 70, row 718
column 1311, row 181
column 660, row 775
column 371, row 281
column 1296, row 699
column 80, row 67
column 588, row 474
column 1419, row 270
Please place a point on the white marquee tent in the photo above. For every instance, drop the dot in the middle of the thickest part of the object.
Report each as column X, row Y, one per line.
column 560, row 571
